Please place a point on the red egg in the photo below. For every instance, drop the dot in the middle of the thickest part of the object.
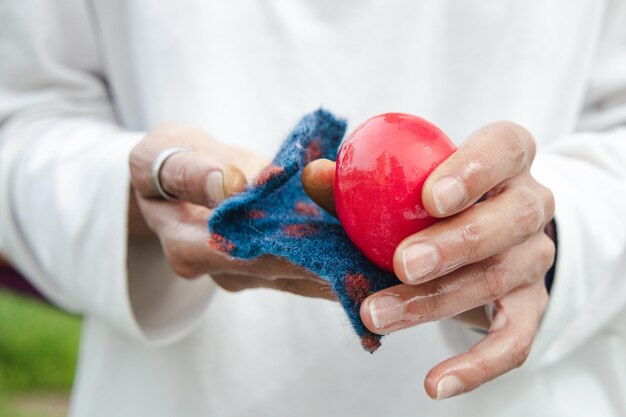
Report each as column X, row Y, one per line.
column 381, row 168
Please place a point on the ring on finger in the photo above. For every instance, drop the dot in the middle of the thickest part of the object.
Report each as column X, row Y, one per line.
column 157, row 164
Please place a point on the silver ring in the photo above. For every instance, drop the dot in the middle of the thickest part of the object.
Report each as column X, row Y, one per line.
column 157, row 164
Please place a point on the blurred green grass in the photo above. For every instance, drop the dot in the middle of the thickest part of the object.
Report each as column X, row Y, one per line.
column 38, row 350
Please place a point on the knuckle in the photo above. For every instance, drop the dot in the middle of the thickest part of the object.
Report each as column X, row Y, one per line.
column 430, row 306
column 228, row 284
column 521, row 350
column 515, row 148
column 180, row 265
column 184, row 270
column 547, row 252
column 520, row 143
column 491, row 275
column 527, row 213
column 470, row 235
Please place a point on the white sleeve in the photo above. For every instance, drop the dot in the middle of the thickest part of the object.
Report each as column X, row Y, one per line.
column 64, row 180
column 587, row 174
column 586, row 171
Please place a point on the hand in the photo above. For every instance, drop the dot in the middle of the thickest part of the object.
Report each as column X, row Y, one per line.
column 492, row 251
column 200, row 179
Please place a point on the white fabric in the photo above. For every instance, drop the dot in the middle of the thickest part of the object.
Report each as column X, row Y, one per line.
column 79, row 83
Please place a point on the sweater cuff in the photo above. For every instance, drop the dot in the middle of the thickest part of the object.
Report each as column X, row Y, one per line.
column 164, row 306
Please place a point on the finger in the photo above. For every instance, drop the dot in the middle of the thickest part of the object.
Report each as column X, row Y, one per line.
column 185, row 241
column 505, row 347
column 403, row 306
column 238, row 282
column 182, row 230
column 491, row 155
column 267, row 267
column 481, row 231
column 197, row 178
column 318, row 178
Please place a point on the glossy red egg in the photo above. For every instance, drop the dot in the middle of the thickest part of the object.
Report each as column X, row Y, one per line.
column 381, row 168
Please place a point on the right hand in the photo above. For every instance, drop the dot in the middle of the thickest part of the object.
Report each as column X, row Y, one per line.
column 200, row 179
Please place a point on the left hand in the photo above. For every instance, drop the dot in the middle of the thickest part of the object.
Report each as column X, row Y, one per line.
column 492, row 251
column 199, row 178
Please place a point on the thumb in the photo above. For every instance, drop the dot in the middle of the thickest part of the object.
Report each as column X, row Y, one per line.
column 318, row 178
column 197, row 178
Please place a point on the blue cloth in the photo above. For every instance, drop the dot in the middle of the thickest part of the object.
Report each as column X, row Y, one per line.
column 274, row 216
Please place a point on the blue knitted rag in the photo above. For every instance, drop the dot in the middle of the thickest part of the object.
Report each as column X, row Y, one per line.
column 274, row 216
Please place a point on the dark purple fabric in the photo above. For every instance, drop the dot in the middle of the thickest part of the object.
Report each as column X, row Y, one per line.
column 11, row 280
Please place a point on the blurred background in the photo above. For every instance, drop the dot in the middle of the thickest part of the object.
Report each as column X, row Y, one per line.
column 38, row 351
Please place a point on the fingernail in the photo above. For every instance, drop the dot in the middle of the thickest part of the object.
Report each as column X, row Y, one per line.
column 385, row 311
column 215, row 186
column 449, row 386
column 449, row 193
column 419, row 260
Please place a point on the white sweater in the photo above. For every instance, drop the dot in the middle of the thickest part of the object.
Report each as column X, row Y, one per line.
column 80, row 82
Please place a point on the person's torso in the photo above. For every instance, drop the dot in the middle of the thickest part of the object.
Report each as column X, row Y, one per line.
column 246, row 71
